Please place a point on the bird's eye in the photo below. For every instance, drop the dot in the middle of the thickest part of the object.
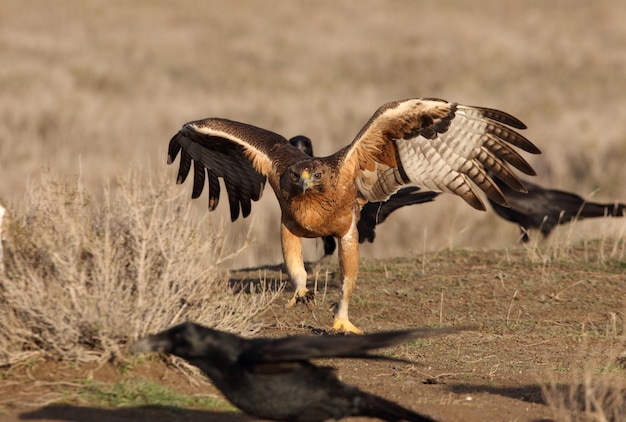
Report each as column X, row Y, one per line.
column 317, row 175
column 294, row 176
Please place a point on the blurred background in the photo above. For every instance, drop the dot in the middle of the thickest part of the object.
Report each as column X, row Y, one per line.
column 93, row 89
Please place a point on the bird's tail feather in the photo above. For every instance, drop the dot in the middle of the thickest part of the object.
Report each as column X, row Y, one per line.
column 593, row 209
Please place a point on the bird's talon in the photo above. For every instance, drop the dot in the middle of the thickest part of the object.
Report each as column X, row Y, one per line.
column 345, row 326
column 307, row 297
column 291, row 302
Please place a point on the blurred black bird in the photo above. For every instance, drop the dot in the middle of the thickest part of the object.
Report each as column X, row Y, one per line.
column 372, row 213
column 544, row 209
column 273, row 378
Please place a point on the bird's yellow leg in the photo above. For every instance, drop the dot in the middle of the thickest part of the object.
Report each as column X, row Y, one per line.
column 349, row 268
column 292, row 254
column 345, row 326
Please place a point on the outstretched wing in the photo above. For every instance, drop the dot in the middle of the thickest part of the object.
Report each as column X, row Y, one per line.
column 438, row 145
column 240, row 154
column 311, row 347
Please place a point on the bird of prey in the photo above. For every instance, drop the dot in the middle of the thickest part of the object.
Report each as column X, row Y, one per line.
column 372, row 213
column 544, row 209
column 273, row 378
column 425, row 142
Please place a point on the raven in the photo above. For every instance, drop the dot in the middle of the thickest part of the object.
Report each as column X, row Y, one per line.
column 544, row 209
column 273, row 378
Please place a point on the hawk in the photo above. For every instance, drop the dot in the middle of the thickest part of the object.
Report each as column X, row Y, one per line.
column 372, row 213
column 426, row 142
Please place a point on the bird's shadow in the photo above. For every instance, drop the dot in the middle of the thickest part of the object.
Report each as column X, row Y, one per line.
column 154, row 413
column 529, row 393
column 264, row 278
column 572, row 396
column 269, row 277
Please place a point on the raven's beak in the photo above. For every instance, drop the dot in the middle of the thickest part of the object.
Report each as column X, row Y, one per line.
column 152, row 343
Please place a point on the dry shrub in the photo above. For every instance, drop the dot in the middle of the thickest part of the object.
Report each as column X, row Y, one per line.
column 608, row 247
column 599, row 392
column 85, row 275
column 599, row 398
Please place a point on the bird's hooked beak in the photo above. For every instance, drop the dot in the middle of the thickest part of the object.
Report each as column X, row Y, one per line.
column 305, row 180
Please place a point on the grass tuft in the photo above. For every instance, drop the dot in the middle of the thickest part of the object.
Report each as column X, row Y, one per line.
column 141, row 392
column 85, row 275
column 599, row 398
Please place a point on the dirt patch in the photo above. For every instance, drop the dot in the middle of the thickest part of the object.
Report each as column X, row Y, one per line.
column 537, row 323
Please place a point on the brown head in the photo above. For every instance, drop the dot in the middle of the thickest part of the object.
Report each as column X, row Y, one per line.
column 305, row 177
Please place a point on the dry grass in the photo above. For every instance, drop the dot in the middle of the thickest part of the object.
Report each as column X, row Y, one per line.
column 596, row 391
column 599, row 398
column 606, row 248
column 86, row 275
column 600, row 393
column 108, row 84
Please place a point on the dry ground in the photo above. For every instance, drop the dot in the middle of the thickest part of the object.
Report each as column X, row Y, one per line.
column 546, row 336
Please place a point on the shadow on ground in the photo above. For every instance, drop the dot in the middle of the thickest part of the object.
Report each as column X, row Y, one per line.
column 66, row 412
column 530, row 393
column 569, row 396
column 271, row 277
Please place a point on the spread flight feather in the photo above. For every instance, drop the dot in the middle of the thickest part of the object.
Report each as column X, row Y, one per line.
column 426, row 142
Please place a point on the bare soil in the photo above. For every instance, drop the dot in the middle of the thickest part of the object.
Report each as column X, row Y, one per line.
column 536, row 323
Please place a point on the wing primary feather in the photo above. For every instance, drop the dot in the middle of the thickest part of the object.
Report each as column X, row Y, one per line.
column 512, row 137
column 480, row 177
column 233, row 199
column 312, row 347
column 173, row 149
column 234, row 206
column 214, row 190
column 496, row 166
column 500, row 116
column 198, row 179
column 183, row 168
column 469, row 195
column 246, row 206
column 507, row 154
column 497, row 125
